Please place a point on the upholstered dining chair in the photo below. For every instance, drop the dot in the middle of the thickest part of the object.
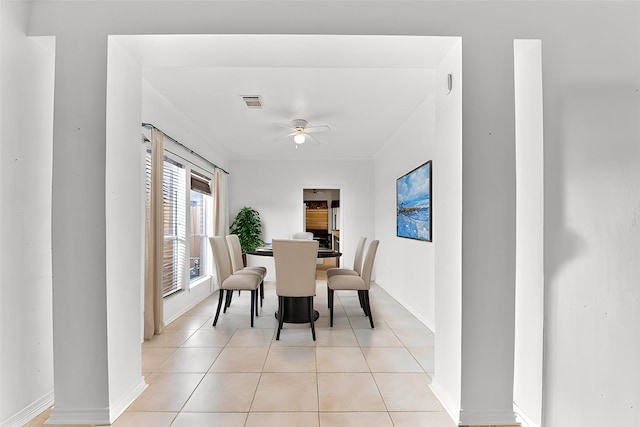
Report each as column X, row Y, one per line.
column 357, row 262
column 362, row 284
column 295, row 262
column 303, row 235
column 237, row 264
column 232, row 282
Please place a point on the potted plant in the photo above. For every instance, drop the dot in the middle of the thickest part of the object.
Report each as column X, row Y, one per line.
column 248, row 226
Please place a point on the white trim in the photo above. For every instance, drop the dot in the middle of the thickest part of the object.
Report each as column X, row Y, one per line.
column 98, row 416
column 200, row 280
column 178, row 304
column 487, row 417
column 127, row 399
column 429, row 324
column 449, row 404
column 522, row 418
column 29, row 412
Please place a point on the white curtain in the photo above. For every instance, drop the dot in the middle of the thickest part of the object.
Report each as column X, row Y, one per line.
column 153, row 304
column 220, row 203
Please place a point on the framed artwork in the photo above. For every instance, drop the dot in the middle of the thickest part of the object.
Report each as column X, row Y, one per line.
column 413, row 204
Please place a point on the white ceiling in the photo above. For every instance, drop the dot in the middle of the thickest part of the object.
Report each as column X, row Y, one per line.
column 363, row 87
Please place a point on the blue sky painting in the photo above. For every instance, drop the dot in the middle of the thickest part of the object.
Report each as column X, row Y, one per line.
column 414, row 203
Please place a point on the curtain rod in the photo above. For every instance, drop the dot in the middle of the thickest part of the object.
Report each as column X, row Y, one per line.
column 149, row 125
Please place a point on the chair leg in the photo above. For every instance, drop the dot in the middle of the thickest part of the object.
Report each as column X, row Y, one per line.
column 280, row 315
column 220, row 299
column 253, row 302
column 368, row 305
column 261, row 292
column 362, row 304
column 311, row 316
column 227, row 303
column 256, row 302
column 330, row 298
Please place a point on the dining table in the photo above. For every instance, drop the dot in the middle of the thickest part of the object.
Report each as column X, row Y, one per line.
column 296, row 309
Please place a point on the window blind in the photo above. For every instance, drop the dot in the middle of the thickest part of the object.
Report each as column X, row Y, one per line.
column 183, row 219
column 199, row 184
column 198, row 213
column 174, row 208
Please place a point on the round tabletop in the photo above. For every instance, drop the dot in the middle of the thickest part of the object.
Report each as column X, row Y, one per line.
column 322, row 253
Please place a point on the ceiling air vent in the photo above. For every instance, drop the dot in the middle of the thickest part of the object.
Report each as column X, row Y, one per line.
column 252, row 101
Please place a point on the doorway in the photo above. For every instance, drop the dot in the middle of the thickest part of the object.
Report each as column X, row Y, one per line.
column 322, row 217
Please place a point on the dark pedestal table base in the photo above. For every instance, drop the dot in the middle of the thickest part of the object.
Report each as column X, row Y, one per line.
column 296, row 310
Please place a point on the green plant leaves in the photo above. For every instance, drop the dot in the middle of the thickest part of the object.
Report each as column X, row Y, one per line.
column 247, row 225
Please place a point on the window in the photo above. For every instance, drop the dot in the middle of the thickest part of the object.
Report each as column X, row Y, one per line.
column 174, row 202
column 199, row 208
column 176, row 265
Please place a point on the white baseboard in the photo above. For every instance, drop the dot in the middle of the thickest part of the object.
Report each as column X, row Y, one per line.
column 97, row 416
column 449, row 405
column 524, row 420
column 483, row 418
column 30, row 412
column 429, row 324
column 178, row 304
column 127, row 399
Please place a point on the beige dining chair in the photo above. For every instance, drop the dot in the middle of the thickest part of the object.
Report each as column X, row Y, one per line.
column 295, row 262
column 355, row 271
column 357, row 262
column 303, row 235
column 237, row 263
column 362, row 284
column 232, row 282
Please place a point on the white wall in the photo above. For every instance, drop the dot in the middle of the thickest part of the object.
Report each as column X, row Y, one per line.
column 405, row 267
column 527, row 382
column 125, row 227
column 447, row 219
column 159, row 112
column 274, row 188
column 591, row 211
column 26, row 121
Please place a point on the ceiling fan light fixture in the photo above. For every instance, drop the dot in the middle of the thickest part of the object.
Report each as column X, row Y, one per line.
column 299, row 130
column 299, row 138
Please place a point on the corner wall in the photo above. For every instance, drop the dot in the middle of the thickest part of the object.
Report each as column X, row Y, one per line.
column 447, row 212
column 527, row 382
column 124, row 207
column 405, row 267
column 26, row 129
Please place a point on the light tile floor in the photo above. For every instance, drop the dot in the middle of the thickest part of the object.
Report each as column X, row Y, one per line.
column 233, row 375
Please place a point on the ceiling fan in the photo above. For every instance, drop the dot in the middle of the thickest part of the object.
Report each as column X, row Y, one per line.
column 300, row 130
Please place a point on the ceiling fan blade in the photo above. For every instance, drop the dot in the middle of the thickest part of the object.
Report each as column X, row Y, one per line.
column 313, row 138
column 283, row 125
column 315, row 129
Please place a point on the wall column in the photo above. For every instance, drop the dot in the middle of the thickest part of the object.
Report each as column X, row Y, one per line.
column 488, row 232
column 82, row 340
